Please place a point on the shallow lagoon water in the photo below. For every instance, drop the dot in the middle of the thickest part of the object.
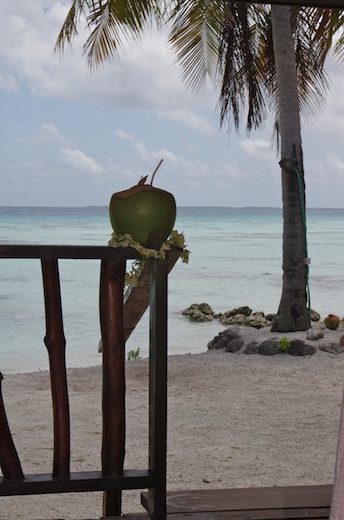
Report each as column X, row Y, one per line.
column 236, row 257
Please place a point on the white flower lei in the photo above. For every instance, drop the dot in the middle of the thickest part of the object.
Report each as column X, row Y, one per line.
column 175, row 240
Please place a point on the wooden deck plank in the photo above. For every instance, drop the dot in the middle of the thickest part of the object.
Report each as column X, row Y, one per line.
column 78, row 482
column 241, row 515
column 286, row 514
column 251, row 499
column 279, row 514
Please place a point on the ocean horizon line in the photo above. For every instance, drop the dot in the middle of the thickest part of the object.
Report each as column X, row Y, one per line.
column 279, row 208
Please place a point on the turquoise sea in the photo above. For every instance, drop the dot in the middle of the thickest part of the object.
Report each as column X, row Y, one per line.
column 235, row 260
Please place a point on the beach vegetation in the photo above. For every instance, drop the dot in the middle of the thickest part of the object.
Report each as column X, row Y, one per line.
column 134, row 355
column 263, row 60
column 284, row 344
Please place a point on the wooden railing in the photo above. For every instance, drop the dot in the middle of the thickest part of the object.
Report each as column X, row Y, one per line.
column 112, row 479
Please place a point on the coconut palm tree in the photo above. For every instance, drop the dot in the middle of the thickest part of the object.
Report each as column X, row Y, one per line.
column 278, row 68
column 291, row 313
column 263, row 59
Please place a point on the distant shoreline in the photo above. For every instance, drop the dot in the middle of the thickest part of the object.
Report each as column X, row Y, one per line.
column 97, row 206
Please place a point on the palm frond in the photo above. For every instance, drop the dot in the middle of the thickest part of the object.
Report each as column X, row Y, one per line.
column 337, row 26
column 110, row 22
column 339, row 48
column 327, row 23
column 240, row 67
column 311, row 50
column 194, row 37
column 70, row 26
column 229, row 42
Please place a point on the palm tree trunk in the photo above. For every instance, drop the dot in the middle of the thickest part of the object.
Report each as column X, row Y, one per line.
column 292, row 313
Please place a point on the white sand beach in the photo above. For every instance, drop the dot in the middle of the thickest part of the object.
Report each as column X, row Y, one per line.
column 234, row 420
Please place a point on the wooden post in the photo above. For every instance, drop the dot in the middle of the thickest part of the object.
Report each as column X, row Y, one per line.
column 9, row 460
column 136, row 298
column 111, row 321
column 56, row 343
column 158, row 389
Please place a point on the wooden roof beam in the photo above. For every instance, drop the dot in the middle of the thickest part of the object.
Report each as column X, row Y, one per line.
column 331, row 4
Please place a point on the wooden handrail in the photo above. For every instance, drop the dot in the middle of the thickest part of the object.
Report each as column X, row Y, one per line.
column 112, row 479
column 67, row 251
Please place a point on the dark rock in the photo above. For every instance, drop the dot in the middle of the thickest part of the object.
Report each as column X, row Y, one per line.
column 230, row 333
column 269, row 347
column 205, row 308
column 246, row 311
column 314, row 315
column 223, row 339
column 199, row 312
column 300, row 348
column 270, row 316
column 237, row 319
column 197, row 315
column 256, row 320
column 217, row 343
column 332, row 349
column 225, row 317
column 251, row 348
column 235, row 345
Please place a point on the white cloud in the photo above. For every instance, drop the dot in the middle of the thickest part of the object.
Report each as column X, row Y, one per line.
column 165, row 154
column 8, row 83
column 143, row 152
column 48, row 133
column 138, row 146
column 80, row 161
column 324, row 181
column 143, row 78
column 179, row 171
column 258, row 148
column 124, row 136
column 190, row 120
column 51, row 131
column 189, row 147
column 156, row 115
column 328, row 125
column 327, row 171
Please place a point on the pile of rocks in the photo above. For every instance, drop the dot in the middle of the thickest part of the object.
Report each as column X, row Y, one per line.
column 231, row 339
column 245, row 317
column 199, row 312
column 241, row 316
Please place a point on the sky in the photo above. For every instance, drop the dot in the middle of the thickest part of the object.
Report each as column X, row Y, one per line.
column 72, row 138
